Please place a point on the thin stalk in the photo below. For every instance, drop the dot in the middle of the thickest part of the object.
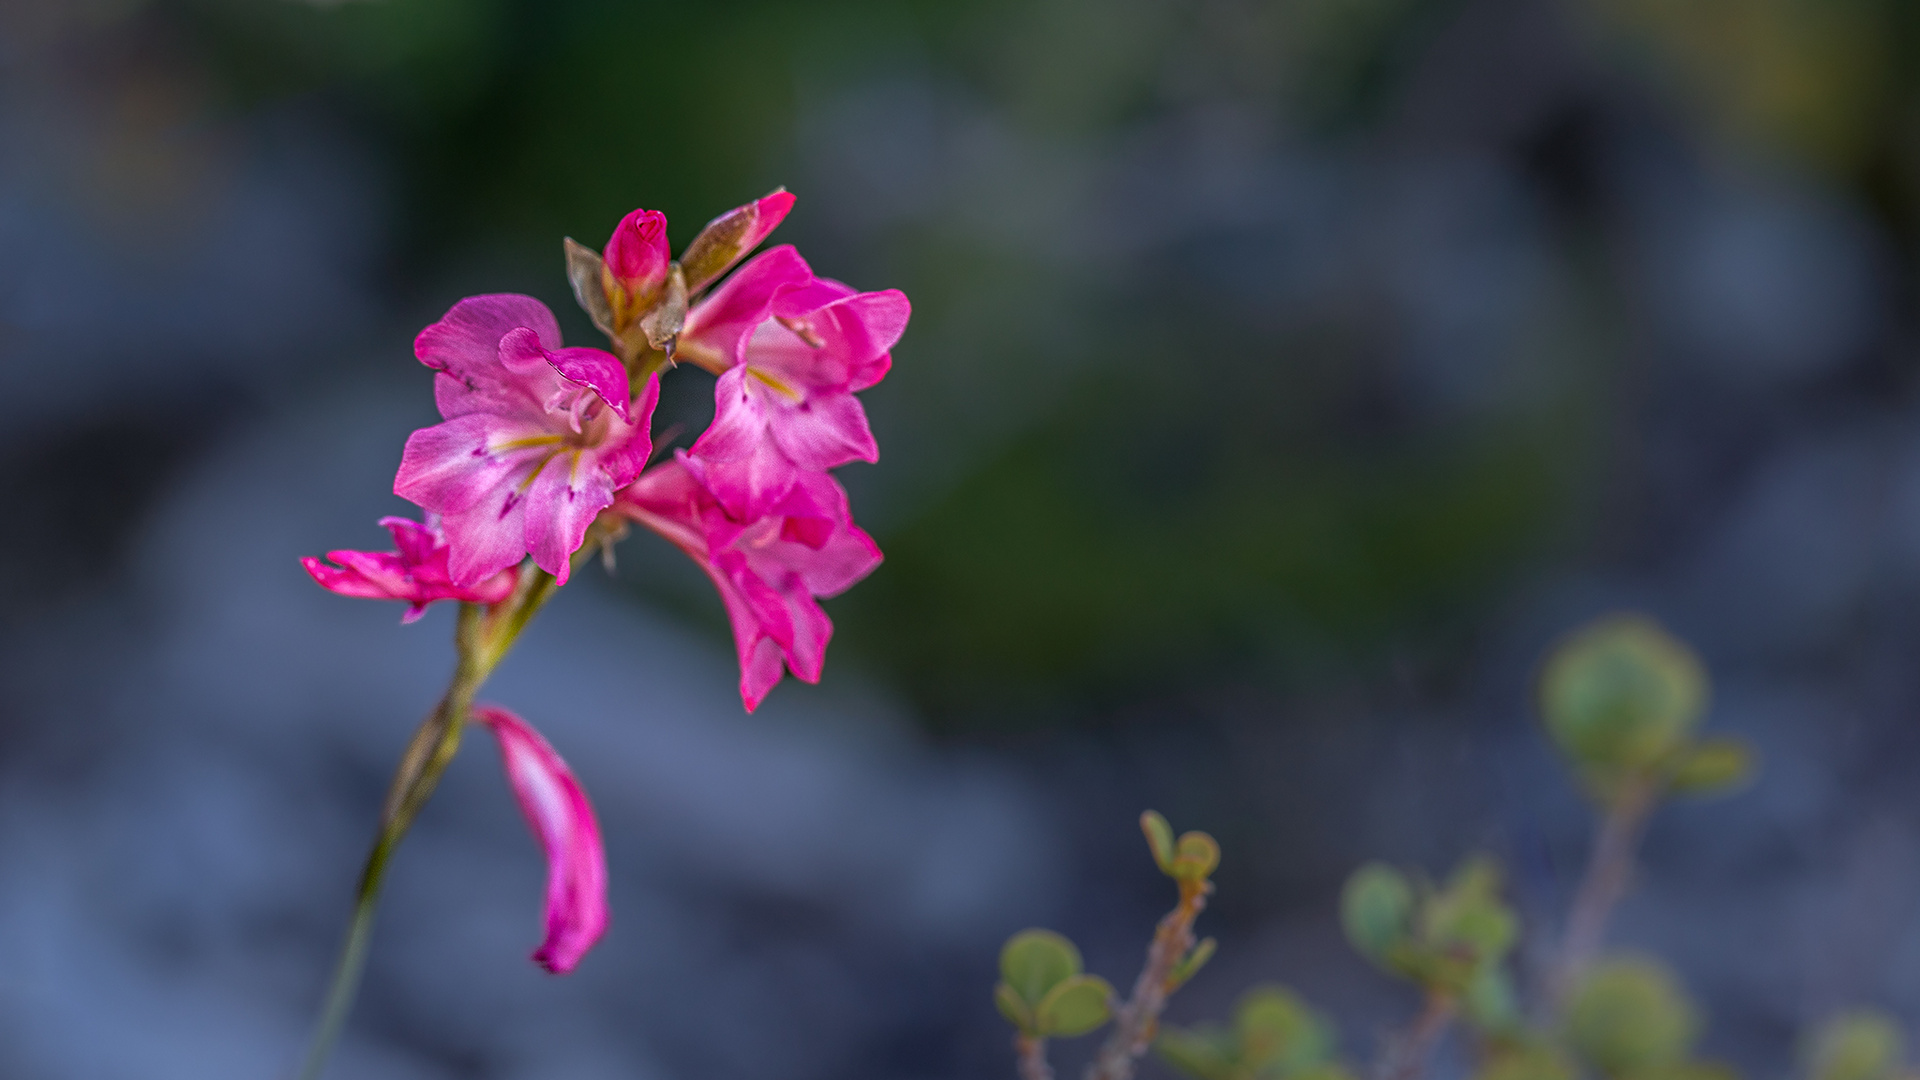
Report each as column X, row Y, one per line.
column 482, row 637
column 1409, row 1051
column 1608, row 875
column 1138, row 1019
column 1031, row 1051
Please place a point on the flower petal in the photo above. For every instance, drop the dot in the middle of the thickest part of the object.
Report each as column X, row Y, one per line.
column 719, row 324
column 597, row 370
column 564, row 822
column 466, row 340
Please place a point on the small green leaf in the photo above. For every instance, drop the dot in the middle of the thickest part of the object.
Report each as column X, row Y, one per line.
column 1278, row 1031
column 1206, row 1053
column 1712, row 766
column 1491, row 1004
column 1621, row 694
column 1856, row 1046
column 1033, row 962
column 1195, row 857
column 1074, row 1006
column 584, row 274
column 1190, row 964
column 1628, row 1016
column 1015, row 1010
column 1159, row 839
column 1526, row 1061
column 1375, row 908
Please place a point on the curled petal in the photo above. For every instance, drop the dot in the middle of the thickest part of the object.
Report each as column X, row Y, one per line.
column 563, row 820
column 416, row 572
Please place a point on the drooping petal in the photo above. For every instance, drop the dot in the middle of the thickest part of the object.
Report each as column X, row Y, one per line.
column 564, row 822
column 416, row 572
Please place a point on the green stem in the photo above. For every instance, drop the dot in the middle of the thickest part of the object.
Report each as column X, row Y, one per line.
column 483, row 637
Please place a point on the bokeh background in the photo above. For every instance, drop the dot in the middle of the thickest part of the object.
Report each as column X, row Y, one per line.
column 1284, row 376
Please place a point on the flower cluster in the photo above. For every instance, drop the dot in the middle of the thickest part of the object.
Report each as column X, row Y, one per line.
column 542, row 446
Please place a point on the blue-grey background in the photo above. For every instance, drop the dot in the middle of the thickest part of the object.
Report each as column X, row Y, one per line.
column 1284, row 376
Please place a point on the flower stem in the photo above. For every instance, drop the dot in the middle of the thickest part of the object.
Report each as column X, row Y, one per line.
column 1032, row 1054
column 1409, row 1051
column 1609, row 872
column 482, row 637
column 1138, row 1019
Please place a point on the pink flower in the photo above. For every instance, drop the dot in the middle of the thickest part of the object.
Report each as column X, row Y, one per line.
column 794, row 348
column 563, row 820
column 768, row 570
column 537, row 437
column 415, row 572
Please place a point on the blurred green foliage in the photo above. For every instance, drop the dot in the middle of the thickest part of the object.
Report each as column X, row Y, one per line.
column 1449, row 939
column 1274, row 1036
column 1042, row 990
column 1857, row 1046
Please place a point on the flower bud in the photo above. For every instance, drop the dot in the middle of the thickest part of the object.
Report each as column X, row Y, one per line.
column 732, row 235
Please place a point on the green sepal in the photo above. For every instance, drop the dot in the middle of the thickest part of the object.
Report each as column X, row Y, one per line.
column 584, row 273
column 1076, row 1005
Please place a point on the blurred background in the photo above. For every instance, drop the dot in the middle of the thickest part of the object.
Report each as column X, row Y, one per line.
column 1284, row 377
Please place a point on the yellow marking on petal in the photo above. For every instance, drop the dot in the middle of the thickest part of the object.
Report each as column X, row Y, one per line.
column 774, row 384
column 527, row 443
column 540, row 468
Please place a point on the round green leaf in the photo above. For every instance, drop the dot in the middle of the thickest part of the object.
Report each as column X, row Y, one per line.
column 1035, row 961
column 1205, row 1053
column 1856, row 1046
column 1195, row 857
column 1375, row 907
column 1629, row 1016
column 1074, row 1007
column 1622, row 693
column 1277, row 1029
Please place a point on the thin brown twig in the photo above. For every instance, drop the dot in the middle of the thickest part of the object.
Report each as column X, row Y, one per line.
column 1408, row 1052
column 1032, row 1053
column 1137, row 1020
column 1608, row 875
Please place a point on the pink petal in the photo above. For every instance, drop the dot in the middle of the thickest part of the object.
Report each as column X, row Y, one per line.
column 466, row 340
column 450, row 467
column 746, row 487
column 562, row 501
column 724, row 319
column 564, row 822
column 637, row 252
column 487, row 538
column 597, row 370
column 770, row 210
column 823, row 432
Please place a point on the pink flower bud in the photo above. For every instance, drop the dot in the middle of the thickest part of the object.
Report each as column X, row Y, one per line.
column 731, row 235
column 636, row 259
column 563, row 820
